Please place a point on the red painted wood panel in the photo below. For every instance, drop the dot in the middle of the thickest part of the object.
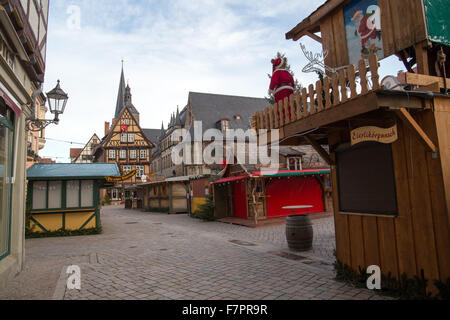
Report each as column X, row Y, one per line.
column 240, row 199
column 292, row 192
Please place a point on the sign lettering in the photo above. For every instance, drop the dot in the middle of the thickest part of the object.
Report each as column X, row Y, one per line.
column 381, row 135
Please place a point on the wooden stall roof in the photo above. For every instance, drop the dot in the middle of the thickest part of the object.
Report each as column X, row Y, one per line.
column 231, row 179
column 312, row 22
column 72, row 171
column 169, row 180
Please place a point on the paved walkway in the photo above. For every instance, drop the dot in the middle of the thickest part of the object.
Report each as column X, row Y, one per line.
column 155, row 256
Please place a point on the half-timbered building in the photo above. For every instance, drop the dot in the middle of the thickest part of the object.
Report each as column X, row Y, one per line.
column 126, row 143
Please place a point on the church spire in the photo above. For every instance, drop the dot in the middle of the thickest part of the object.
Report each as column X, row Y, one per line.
column 121, row 95
column 124, row 98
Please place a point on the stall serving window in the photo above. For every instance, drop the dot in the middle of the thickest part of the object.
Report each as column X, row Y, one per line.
column 50, row 195
column 6, row 165
column 366, row 179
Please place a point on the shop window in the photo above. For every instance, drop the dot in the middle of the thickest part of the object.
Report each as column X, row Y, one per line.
column 54, row 194
column 39, row 195
column 6, row 163
column 87, row 193
column 366, row 179
column 73, row 194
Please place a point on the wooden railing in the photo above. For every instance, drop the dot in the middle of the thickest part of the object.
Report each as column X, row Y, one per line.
column 343, row 86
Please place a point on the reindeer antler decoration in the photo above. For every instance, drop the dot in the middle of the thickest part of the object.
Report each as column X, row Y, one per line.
column 316, row 60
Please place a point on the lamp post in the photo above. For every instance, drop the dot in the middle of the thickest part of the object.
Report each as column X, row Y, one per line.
column 57, row 100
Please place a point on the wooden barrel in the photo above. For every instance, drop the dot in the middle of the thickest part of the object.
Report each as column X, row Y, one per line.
column 299, row 232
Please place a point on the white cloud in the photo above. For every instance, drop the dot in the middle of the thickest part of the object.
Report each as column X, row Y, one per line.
column 170, row 48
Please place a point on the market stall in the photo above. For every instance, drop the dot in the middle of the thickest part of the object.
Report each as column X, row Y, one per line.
column 170, row 195
column 389, row 144
column 262, row 195
column 65, row 197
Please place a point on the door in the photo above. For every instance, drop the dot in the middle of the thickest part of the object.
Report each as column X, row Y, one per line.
column 240, row 199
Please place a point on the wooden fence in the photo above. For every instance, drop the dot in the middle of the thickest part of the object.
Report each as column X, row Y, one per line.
column 343, row 86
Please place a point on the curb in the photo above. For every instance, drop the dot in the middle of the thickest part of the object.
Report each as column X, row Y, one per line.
column 60, row 289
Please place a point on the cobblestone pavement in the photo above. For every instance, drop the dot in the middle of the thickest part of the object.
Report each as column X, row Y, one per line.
column 154, row 256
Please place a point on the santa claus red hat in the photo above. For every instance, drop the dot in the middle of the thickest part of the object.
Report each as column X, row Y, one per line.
column 278, row 63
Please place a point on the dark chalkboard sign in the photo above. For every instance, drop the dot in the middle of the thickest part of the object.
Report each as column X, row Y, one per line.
column 366, row 179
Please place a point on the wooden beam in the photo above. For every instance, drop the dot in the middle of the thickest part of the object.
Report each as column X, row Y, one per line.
column 412, row 124
column 321, row 151
column 423, row 80
column 338, row 113
column 314, row 36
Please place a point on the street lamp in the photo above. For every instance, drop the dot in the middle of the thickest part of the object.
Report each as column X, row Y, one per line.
column 57, row 100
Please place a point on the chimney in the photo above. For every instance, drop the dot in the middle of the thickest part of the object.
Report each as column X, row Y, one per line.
column 106, row 128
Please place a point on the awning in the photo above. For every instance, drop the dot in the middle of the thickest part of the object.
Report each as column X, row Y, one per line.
column 285, row 173
column 231, row 179
column 9, row 101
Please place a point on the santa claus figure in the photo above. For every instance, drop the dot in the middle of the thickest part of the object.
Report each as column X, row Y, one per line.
column 367, row 30
column 282, row 84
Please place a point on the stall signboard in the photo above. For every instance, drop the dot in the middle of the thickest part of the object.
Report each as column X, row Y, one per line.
column 362, row 20
column 381, row 135
column 437, row 13
column 123, row 178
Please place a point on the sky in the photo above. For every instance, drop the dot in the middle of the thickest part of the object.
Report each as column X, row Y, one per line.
column 169, row 48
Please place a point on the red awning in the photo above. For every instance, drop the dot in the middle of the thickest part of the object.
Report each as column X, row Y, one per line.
column 10, row 103
column 291, row 173
column 231, row 179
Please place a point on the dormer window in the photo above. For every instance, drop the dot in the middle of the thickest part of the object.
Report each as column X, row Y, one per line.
column 238, row 117
column 224, row 125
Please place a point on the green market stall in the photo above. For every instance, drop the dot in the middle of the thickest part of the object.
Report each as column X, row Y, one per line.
column 65, row 197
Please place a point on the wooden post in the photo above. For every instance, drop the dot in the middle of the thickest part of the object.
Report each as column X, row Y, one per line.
column 351, row 73
column 326, row 89
column 363, row 76
column 343, row 84
column 373, row 63
column 293, row 116
column 305, row 103
column 335, row 88
column 280, row 113
column 276, row 115
column 320, row 96
column 298, row 102
column 286, row 110
column 312, row 100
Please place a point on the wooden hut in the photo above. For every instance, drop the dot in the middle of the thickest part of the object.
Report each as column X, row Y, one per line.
column 200, row 190
column 262, row 195
column 170, row 195
column 65, row 197
column 389, row 150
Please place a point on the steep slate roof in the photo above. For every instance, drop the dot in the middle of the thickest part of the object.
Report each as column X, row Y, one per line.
column 122, row 100
column 211, row 108
column 65, row 171
column 152, row 134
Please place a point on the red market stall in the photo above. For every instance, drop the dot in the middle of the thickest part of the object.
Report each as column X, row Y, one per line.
column 261, row 195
